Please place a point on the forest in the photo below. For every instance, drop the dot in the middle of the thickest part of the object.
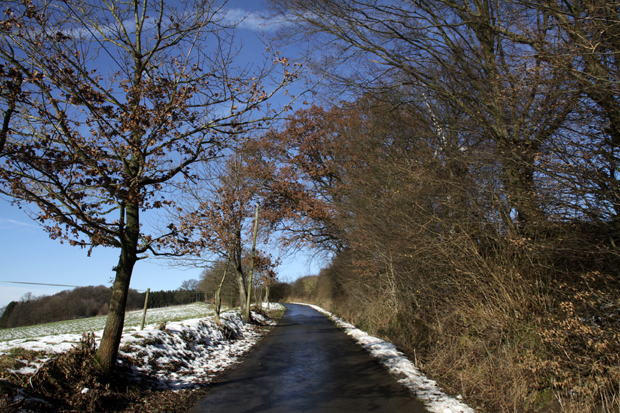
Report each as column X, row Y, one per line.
column 454, row 162
column 84, row 302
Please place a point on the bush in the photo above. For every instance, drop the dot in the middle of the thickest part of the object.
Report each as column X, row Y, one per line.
column 510, row 331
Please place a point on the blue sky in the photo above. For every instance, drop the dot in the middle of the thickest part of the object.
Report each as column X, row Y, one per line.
column 29, row 255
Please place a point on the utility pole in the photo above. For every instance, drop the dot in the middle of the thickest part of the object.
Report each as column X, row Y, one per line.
column 250, row 278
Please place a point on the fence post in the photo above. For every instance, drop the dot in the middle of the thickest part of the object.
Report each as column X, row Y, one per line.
column 146, row 301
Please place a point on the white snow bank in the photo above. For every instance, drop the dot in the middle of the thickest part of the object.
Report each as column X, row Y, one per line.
column 403, row 369
column 182, row 355
column 188, row 353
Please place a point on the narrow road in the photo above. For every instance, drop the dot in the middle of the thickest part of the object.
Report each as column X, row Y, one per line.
column 307, row 364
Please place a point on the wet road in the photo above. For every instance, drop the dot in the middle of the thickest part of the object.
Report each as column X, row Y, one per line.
column 308, row 365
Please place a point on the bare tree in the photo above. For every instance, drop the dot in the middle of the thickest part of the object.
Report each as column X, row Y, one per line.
column 11, row 78
column 475, row 56
column 121, row 99
column 587, row 47
column 218, row 215
column 298, row 169
column 190, row 285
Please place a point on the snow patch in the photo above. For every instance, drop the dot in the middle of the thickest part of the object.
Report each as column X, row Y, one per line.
column 189, row 353
column 183, row 355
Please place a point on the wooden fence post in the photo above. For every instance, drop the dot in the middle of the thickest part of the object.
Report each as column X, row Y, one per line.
column 146, row 302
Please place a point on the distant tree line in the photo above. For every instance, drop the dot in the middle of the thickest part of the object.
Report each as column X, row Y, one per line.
column 69, row 304
column 84, row 302
column 173, row 297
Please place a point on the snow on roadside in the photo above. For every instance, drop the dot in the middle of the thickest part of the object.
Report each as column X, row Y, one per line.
column 182, row 355
column 188, row 353
column 402, row 368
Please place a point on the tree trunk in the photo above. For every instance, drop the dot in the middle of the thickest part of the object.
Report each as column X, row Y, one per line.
column 236, row 259
column 218, row 304
column 218, row 295
column 108, row 349
column 242, row 288
column 518, row 180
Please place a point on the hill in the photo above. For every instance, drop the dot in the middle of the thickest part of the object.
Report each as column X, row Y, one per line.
column 83, row 302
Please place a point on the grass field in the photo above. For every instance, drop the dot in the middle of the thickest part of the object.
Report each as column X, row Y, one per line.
column 132, row 319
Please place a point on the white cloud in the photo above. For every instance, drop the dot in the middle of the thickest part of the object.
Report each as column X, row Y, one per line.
column 253, row 20
column 238, row 17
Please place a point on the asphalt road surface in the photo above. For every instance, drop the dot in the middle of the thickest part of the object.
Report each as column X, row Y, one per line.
column 307, row 364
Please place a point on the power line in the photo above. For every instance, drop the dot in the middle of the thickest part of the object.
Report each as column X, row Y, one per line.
column 53, row 285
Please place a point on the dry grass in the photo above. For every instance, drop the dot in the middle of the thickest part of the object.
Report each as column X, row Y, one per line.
column 511, row 332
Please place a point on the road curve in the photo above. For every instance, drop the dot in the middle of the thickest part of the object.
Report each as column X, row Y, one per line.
column 306, row 364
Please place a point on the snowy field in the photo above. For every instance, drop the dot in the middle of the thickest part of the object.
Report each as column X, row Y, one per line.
column 190, row 350
column 132, row 319
column 434, row 399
